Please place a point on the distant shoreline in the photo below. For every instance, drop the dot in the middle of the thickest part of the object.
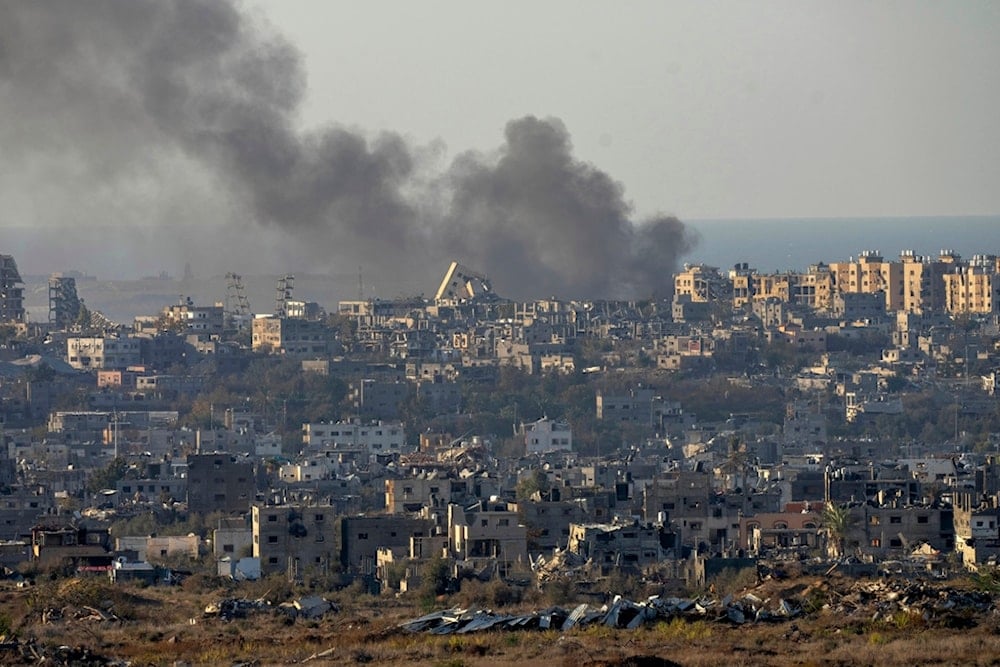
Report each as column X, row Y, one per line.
column 767, row 245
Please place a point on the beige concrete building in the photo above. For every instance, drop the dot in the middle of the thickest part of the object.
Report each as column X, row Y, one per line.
column 294, row 538
column 290, row 336
column 870, row 274
column 923, row 281
column 546, row 436
column 742, row 277
column 157, row 547
column 91, row 353
column 189, row 318
column 974, row 289
column 701, row 283
column 490, row 534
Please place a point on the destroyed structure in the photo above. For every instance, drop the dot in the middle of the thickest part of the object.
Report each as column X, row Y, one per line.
column 394, row 475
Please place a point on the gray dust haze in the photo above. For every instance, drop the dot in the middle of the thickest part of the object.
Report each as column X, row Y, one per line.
column 183, row 114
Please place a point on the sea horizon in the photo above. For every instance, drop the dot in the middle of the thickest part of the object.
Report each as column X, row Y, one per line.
column 792, row 244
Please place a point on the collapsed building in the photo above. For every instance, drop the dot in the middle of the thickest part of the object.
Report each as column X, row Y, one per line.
column 11, row 292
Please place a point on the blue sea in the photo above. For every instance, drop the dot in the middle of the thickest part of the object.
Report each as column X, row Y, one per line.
column 792, row 244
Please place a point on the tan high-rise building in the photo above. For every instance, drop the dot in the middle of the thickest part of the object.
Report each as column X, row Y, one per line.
column 923, row 281
column 702, row 283
column 742, row 277
column 771, row 286
column 812, row 288
column 973, row 289
column 870, row 274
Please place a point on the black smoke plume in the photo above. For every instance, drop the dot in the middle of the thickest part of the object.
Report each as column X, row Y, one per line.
column 183, row 111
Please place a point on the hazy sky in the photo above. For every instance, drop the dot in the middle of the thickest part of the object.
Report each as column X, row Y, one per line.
column 557, row 146
column 701, row 109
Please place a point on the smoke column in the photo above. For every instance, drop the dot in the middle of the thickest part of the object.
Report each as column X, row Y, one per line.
column 134, row 104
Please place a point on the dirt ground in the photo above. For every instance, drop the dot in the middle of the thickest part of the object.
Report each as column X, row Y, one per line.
column 95, row 623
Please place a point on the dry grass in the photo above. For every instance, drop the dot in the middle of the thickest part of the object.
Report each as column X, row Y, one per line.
column 161, row 626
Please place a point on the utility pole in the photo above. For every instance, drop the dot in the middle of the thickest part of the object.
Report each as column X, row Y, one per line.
column 114, row 420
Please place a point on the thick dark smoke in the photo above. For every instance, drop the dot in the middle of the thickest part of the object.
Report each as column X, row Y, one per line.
column 536, row 218
column 154, row 110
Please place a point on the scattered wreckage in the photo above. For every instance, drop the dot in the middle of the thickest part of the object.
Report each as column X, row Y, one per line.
column 870, row 600
column 619, row 613
column 309, row 607
column 30, row 651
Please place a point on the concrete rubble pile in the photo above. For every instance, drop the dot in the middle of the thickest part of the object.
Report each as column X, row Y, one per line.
column 619, row 613
column 74, row 614
column 231, row 608
column 882, row 598
column 870, row 600
column 19, row 651
column 560, row 564
column 309, row 607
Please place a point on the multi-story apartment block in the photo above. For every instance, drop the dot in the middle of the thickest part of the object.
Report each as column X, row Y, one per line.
column 703, row 284
column 374, row 437
column 377, row 399
column 870, row 274
column 811, row 289
column 796, row 527
column 294, row 538
column 489, row 533
column 362, row 536
column 191, row 319
column 977, row 528
column 91, row 353
column 439, row 396
column 290, row 336
column 858, row 306
column 79, row 422
column 805, row 426
column 11, row 292
column 894, row 529
column 973, row 289
column 64, row 304
column 548, row 519
column 219, row 483
column 309, row 310
column 923, row 281
column 546, row 436
column 742, row 278
column 433, row 489
column 635, row 407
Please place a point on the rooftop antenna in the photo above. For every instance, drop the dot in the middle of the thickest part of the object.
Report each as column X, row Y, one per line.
column 361, row 290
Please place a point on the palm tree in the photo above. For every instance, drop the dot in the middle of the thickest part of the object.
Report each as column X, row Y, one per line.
column 737, row 462
column 836, row 520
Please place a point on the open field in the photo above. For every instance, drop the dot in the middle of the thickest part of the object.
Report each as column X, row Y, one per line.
column 167, row 626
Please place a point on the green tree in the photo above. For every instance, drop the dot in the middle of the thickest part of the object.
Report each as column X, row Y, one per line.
column 536, row 480
column 836, row 520
column 435, row 578
column 108, row 476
